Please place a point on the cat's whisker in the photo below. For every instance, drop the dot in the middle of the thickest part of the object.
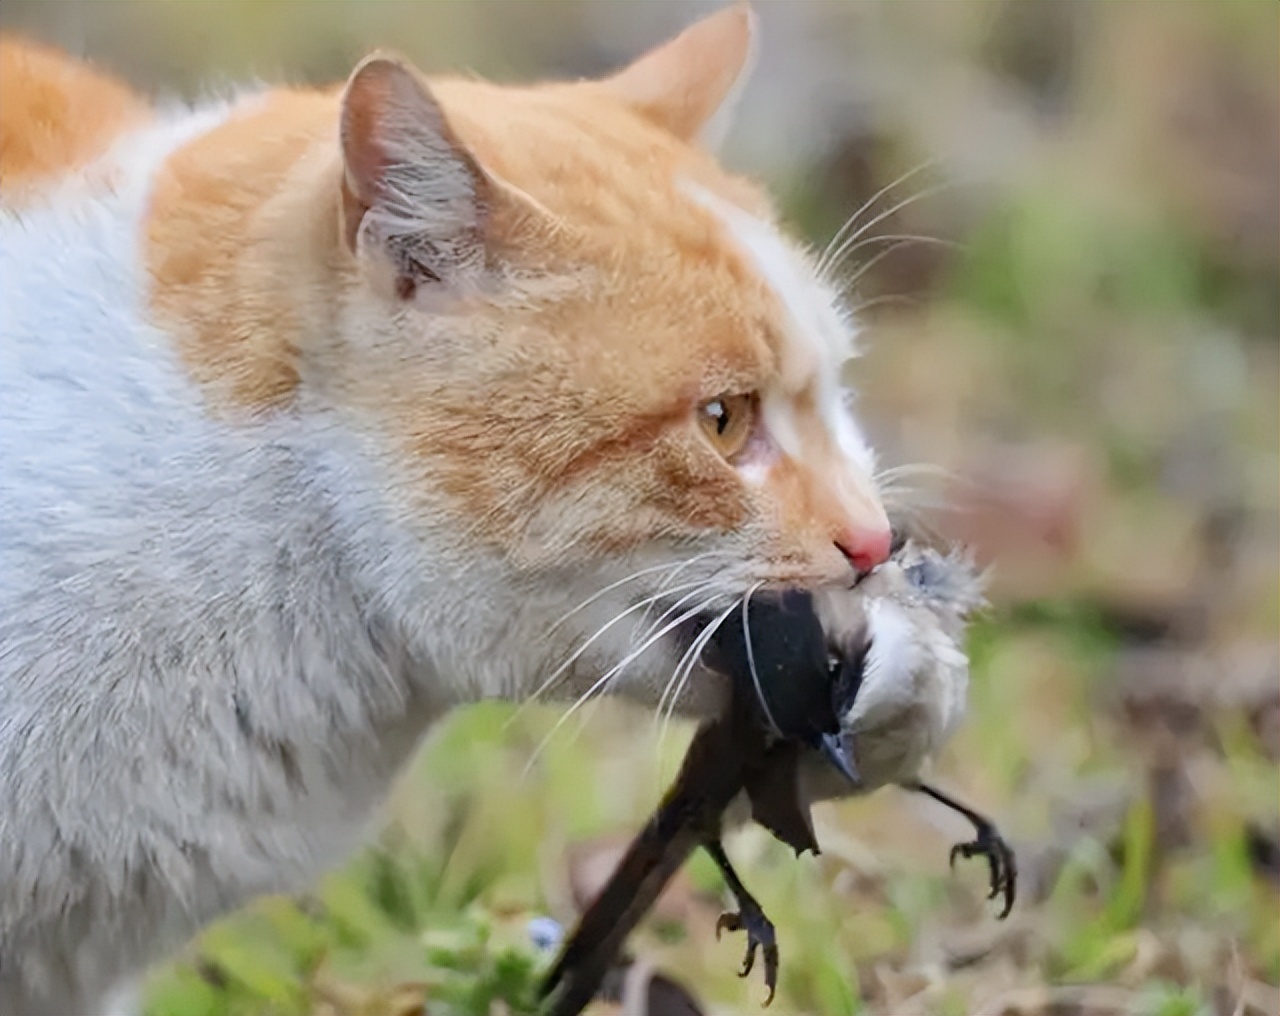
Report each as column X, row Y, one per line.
column 970, row 483
column 681, row 676
column 928, row 532
column 751, row 659
column 903, row 511
column 662, row 585
column 903, row 240
column 915, row 469
column 838, row 256
column 667, row 687
column 902, row 485
column 705, row 586
column 910, row 500
column 699, row 642
column 549, row 682
column 915, row 518
column 886, row 298
column 615, row 585
column 602, row 682
column 907, row 497
column 851, row 221
column 871, row 262
column 664, row 630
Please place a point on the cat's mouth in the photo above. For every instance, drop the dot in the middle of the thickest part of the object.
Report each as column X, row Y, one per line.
column 772, row 643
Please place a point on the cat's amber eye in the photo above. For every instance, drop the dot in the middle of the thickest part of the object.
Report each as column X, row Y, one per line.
column 728, row 421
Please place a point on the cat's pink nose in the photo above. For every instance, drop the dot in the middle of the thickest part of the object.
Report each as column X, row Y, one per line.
column 865, row 548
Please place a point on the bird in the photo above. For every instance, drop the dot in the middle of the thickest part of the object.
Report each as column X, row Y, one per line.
column 896, row 642
column 870, row 682
column 834, row 693
column 776, row 651
column 902, row 687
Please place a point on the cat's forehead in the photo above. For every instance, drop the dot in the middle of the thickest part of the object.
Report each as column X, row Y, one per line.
column 661, row 216
column 814, row 334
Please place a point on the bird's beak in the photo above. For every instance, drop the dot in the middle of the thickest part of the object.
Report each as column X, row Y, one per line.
column 833, row 747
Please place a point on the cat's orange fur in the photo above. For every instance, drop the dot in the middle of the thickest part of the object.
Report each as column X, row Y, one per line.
column 55, row 113
column 591, row 177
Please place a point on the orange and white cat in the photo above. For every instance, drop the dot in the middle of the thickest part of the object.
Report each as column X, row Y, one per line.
column 324, row 411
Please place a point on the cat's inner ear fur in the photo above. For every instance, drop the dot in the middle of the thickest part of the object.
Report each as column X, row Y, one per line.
column 690, row 84
column 412, row 195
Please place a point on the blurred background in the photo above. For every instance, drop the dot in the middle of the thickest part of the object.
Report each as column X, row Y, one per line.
column 1070, row 302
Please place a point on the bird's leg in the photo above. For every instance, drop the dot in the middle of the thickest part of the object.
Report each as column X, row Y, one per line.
column 988, row 843
column 749, row 917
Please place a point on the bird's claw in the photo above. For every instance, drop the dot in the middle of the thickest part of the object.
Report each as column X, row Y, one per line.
column 760, row 937
column 1001, row 860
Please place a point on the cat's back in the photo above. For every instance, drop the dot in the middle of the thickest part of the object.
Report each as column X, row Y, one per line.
column 82, row 368
column 104, row 438
column 57, row 114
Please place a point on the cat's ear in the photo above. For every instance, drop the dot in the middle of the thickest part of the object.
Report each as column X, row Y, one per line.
column 413, row 197
column 691, row 83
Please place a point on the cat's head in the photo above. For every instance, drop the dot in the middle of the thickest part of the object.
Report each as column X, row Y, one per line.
column 542, row 333
column 592, row 339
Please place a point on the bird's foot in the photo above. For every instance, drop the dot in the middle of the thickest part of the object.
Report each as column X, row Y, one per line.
column 1001, row 860
column 751, row 919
